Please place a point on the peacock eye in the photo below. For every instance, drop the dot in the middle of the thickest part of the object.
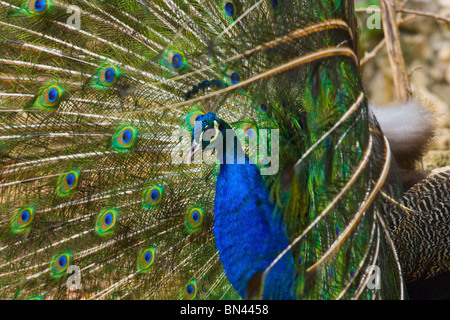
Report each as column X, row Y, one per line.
column 50, row 97
column 25, row 215
column 22, row 220
column 235, row 78
column 194, row 219
column 152, row 196
column 37, row 6
column 146, row 259
column 106, row 77
column 262, row 161
column 59, row 264
column 70, row 179
column 232, row 77
column 196, row 216
column 126, row 136
column 176, row 59
column 124, row 139
column 249, row 132
column 67, row 183
column 229, row 8
column 105, row 222
column 62, row 262
column 110, row 74
column 108, row 219
column 263, row 108
column 190, row 290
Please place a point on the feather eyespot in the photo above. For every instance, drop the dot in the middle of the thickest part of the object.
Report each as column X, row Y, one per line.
column 152, row 196
column 49, row 97
column 263, row 108
column 110, row 75
column 249, row 132
column 38, row 6
column 146, row 259
column 107, row 76
column 233, row 77
column 190, row 290
column 229, row 8
column 176, row 59
column 67, row 183
column 124, row 139
column 262, row 161
column 22, row 220
column 127, row 135
column 25, row 216
column 53, row 95
column 194, row 219
column 106, row 221
column 59, row 264
column 62, row 262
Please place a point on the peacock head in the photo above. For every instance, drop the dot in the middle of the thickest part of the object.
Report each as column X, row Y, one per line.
column 209, row 131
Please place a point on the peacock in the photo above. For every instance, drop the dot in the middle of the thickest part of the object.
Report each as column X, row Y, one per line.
column 201, row 149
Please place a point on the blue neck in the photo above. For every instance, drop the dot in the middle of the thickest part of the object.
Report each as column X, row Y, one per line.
column 249, row 231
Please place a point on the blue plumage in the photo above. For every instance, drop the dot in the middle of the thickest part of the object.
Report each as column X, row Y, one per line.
column 248, row 228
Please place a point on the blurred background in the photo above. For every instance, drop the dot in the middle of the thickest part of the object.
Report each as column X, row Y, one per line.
column 426, row 49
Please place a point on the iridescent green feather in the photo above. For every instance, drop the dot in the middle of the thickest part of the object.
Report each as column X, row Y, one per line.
column 87, row 122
